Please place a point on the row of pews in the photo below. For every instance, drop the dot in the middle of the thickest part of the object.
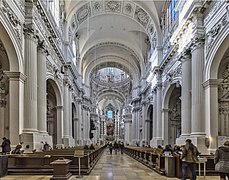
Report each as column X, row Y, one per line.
column 39, row 163
column 169, row 166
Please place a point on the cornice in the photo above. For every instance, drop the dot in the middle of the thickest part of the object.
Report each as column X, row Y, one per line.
column 15, row 76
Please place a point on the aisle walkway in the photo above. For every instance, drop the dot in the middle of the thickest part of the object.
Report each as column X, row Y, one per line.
column 113, row 167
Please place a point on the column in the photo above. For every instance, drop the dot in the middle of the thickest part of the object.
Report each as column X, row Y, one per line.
column 186, row 94
column 185, row 97
column 152, row 141
column 134, row 133
column 76, row 121
column 154, row 112
column 198, row 134
column 59, row 113
column 16, row 105
column 79, row 134
column 165, row 125
column 127, row 135
column 71, row 140
column 30, row 120
column 211, row 112
column 146, row 131
column 144, row 123
column 41, row 88
column 197, row 123
column 66, row 113
column 159, row 112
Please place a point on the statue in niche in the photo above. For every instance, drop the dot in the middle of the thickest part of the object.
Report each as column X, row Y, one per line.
column 4, row 88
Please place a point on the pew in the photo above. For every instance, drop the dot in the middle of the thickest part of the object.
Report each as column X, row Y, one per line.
column 40, row 162
column 154, row 160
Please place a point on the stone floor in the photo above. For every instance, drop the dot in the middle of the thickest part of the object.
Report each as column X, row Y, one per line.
column 113, row 167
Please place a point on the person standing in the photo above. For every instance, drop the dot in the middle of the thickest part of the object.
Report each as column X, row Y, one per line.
column 189, row 159
column 221, row 161
column 5, row 146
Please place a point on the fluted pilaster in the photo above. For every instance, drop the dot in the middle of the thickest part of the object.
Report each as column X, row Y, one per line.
column 197, row 87
column 186, row 94
column 30, row 121
column 41, row 87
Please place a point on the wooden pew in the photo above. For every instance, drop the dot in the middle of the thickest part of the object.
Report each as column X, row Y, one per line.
column 39, row 163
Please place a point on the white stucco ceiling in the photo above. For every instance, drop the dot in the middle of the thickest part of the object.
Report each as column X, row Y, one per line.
column 113, row 31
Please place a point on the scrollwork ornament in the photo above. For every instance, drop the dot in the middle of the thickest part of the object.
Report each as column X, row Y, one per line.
column 31, row 34
column 197, row 42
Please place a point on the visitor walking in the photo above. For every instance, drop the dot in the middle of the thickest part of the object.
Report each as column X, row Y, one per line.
column 221, row 161
column 5, row 146
column 189, row 159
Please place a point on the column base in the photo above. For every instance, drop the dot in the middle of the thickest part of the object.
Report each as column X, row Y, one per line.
column 143, row 143
column 135, row 142
column 156, row 141
column 68, row 142
column 33, row 141
column 181, row 140
column 201, row 141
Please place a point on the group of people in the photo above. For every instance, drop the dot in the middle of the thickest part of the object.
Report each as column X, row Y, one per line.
column 189, row 157
column 116, row 146
column 6, row 147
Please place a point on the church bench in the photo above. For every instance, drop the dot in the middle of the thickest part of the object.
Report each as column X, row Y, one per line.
column 39, row 163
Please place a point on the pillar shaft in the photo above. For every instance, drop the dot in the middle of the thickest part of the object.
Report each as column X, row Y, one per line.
column 41, row 89
column 30, row 121
column 186, row 95
column 16, row 102
column 66, row 111
column 197, row 88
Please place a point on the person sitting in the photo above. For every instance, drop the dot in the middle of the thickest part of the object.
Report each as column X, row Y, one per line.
column 17, row 149
column 92, row 147
column 167, row 151
column 86, row 146
column 47, row 147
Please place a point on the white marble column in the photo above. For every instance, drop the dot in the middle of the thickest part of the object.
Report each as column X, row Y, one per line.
column 71, row 140
column 30, row 120
column 134, row 124
column 75, row 124
column 154, row 113
column 152, row 141
column 165, row 125
column 16, row 104
column 144, row 123
column 66, row 114
column 197, row 124
column 159, row 113
column 186, row 94
column 60, row 122
column 41, row 88
column 128, row 130
column 185, row 97
column 147, row 132
column 211, row 112
column 79, row 130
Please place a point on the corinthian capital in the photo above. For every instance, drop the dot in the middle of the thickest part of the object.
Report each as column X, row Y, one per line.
column 31, row 34
column 42, row 47
column 197, row 42
column 185, row 55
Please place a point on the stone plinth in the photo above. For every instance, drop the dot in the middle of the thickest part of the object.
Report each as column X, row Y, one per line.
column 61, row 169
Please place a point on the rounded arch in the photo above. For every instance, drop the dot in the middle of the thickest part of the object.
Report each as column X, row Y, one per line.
column 14, row 53
column 131, row 67
column 149, row 111
column 167, row 95
column 56, row 89
column 219, row 47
